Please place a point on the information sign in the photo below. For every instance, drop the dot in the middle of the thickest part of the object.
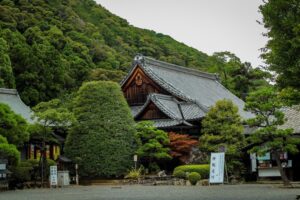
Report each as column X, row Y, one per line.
column 217, row 163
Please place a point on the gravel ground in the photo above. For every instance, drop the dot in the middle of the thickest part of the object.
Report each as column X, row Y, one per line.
column 138, row 192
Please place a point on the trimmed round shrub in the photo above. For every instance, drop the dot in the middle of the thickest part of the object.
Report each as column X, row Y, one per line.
column 102, row 141
column 194, row 177
column 202, row 169
column 179, row 174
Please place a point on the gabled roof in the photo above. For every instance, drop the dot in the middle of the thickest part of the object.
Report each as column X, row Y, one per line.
column 13, row 100
column 182, row 112
column 190, row 85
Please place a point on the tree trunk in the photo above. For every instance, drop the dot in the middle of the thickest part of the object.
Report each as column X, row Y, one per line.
column 283, row 175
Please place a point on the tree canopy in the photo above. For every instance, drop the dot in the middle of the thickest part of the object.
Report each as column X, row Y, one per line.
column 48, row 48
column 12, row 126
column 102, row 140
column 222, row 128
column 281, row 18
column 152, row 142
column 9, row 151
column 268, row 137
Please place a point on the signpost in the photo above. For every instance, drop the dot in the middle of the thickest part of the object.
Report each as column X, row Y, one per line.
column 135, row 158
column 53, row 176
column 217, row 164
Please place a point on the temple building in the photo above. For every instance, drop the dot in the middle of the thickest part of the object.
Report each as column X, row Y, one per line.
column 175, row 98
column 31, row 149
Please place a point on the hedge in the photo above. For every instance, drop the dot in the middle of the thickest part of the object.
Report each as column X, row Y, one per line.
column 202, row 169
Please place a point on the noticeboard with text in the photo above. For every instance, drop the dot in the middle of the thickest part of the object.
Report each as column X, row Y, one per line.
column 53, row 175
column 217, row 162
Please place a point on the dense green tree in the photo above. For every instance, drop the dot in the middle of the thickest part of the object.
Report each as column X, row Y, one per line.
column 281, row 18
column 222, row 127
column 152, row 143
column 102, row 141
column 107, row 75
column 266, row 105
column 9, row 151
column 49, row 116
column 54, row 46
column 240, row 78
column 12, row 126
column 7, row 79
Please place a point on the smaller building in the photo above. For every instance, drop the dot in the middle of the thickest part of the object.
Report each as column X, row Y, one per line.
column 31, row 150
column 266, row 167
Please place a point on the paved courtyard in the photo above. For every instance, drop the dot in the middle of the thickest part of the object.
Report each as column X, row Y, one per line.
column 225, row 192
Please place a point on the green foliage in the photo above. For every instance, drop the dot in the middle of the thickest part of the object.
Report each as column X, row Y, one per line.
column 54, row 46
column 281, row 19
column 7, row 79
column 102, row 142
column 194, row 177
column 28, row 170
column 107, row 75
column 240, row 78
column 134, row 174
column 9, row 151
column 289, row 96
column 25, row 171
column 13, row 126
column 152, row 143
column 202, row 169
column 179, row 174
column 266, row 104
column 222, row 127
column 48, row 115
column 53, row 113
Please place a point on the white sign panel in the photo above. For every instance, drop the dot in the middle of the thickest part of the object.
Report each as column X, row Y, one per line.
column 217, row 161
column 2, row 166
column 53, row 175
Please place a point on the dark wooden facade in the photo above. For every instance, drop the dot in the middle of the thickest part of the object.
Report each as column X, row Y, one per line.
column 138, row 87
column 136, row 91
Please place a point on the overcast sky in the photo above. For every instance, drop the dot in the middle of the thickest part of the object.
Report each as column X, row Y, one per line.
column 207, row 25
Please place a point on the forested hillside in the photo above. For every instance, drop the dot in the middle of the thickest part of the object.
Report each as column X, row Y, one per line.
column 49, row 47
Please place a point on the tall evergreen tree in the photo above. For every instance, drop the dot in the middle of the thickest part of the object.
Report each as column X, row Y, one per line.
column 222, row 127
column 282, row 52
column 266, row 105
column 102, row 142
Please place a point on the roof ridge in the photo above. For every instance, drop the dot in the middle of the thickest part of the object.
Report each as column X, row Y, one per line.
column 159, row 63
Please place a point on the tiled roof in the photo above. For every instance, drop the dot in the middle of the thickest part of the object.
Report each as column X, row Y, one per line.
column 12, row 99
column 135, row 110
column 191, row 111
column 179, row 112
column 165, row 123
column 202, row 89
column 292, row 116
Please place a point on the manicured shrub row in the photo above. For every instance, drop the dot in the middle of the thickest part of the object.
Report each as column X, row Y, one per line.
column 202, row 169
column 179, row 174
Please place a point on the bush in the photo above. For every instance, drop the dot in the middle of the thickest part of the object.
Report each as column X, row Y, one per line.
column 194, row 177
column 179, row 174
column 102, row 142
column 134, row 174
column 203, row 169
column 29, row 170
